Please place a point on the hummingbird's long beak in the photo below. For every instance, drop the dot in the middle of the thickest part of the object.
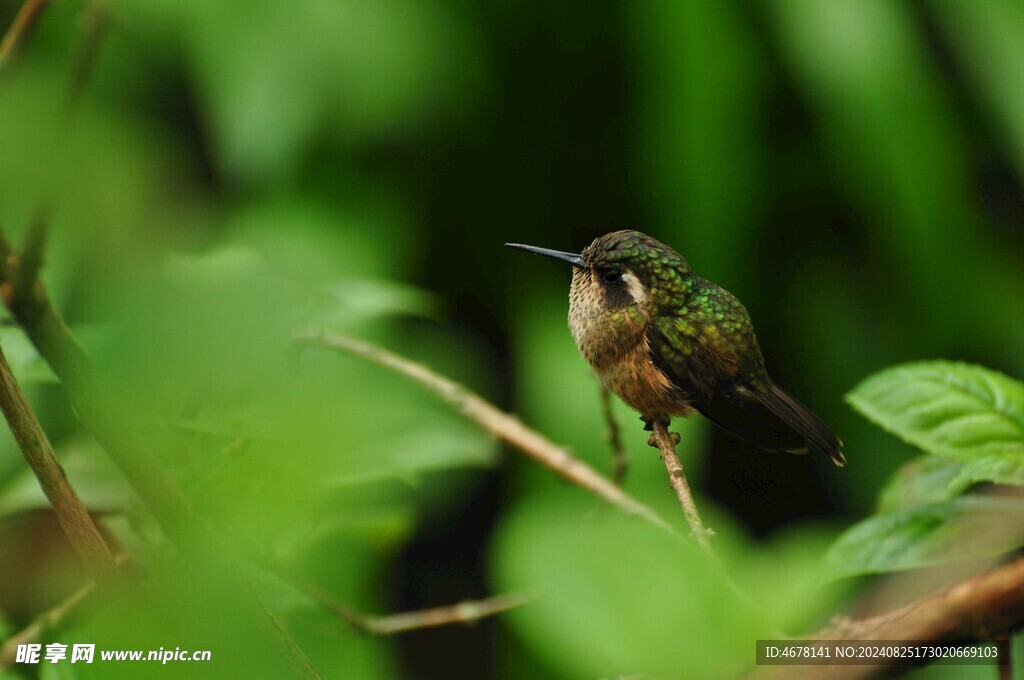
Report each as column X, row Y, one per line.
column 572, row 258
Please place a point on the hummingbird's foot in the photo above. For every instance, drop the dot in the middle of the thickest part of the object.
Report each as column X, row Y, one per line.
column 649, row 423
column 652, row 440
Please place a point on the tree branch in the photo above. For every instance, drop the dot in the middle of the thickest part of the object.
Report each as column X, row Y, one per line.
column 21, row 28
column 71, row 514
column 505, row 427
column 980, row 608
column 620, row 463
column 45, row 623
column 30, row 261
column 31, row 308
column 48, row 622
column 95, row 21
column 465, row 612
column 666, row 441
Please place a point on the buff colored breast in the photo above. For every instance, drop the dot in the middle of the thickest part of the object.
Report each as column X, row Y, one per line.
column 642, row 385
column 614, row 343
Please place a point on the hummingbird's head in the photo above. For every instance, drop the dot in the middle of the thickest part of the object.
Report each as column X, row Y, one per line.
column 625, row 268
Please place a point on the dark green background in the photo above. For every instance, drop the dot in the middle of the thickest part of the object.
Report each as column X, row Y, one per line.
column 851, row 170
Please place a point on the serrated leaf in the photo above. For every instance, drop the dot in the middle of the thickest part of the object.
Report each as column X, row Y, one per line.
column 1007, row 469
column 959, row 411
column 924, row 480
column 963, row 528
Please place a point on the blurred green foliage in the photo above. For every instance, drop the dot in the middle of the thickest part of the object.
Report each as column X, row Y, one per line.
column 852, row 170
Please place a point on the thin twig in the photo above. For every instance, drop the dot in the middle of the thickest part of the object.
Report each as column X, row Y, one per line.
column 71, row 514
column 49, row 621
column 30, row 261
column 665, row 441
column 95, row 21
column 45, row 623
column 505, row 427
column 1006, row 656
column 466, row 612
column 20, row 29
column 31, row 308
column 981, row 608
column 620, row 462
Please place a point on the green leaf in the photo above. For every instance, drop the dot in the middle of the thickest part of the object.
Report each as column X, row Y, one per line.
column 618, row 597
column 782, row 576
column 964, row 528
column 924, row 480
column 999, row 469
column 25, row 362
column 356, row 300
column 62, row 670
column 959, row 411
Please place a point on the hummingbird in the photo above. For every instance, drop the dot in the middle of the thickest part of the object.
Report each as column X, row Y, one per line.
column 669, row 342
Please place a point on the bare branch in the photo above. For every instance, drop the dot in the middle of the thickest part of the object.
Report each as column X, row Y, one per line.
column 48, row 622
column 31, row 307
column 620, row 463
column 21, row 28
column 95, row 21
column 74, row 519
column 505, row 427
column 31, row 260
column 666, row 441
column 980, row 608
column 1006, row 654
column 465, row 612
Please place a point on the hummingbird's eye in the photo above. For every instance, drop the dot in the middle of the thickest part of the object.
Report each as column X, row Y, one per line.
column 611, row 276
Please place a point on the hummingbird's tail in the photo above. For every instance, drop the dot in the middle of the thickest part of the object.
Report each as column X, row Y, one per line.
column 798, row 417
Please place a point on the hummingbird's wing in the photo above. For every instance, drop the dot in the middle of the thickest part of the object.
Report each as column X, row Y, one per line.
column 711, row 355
column 800, row 418
column 719, row 397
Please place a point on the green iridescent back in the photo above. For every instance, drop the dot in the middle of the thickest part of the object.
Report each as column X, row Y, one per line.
column 700, row 329
column 711, row 334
